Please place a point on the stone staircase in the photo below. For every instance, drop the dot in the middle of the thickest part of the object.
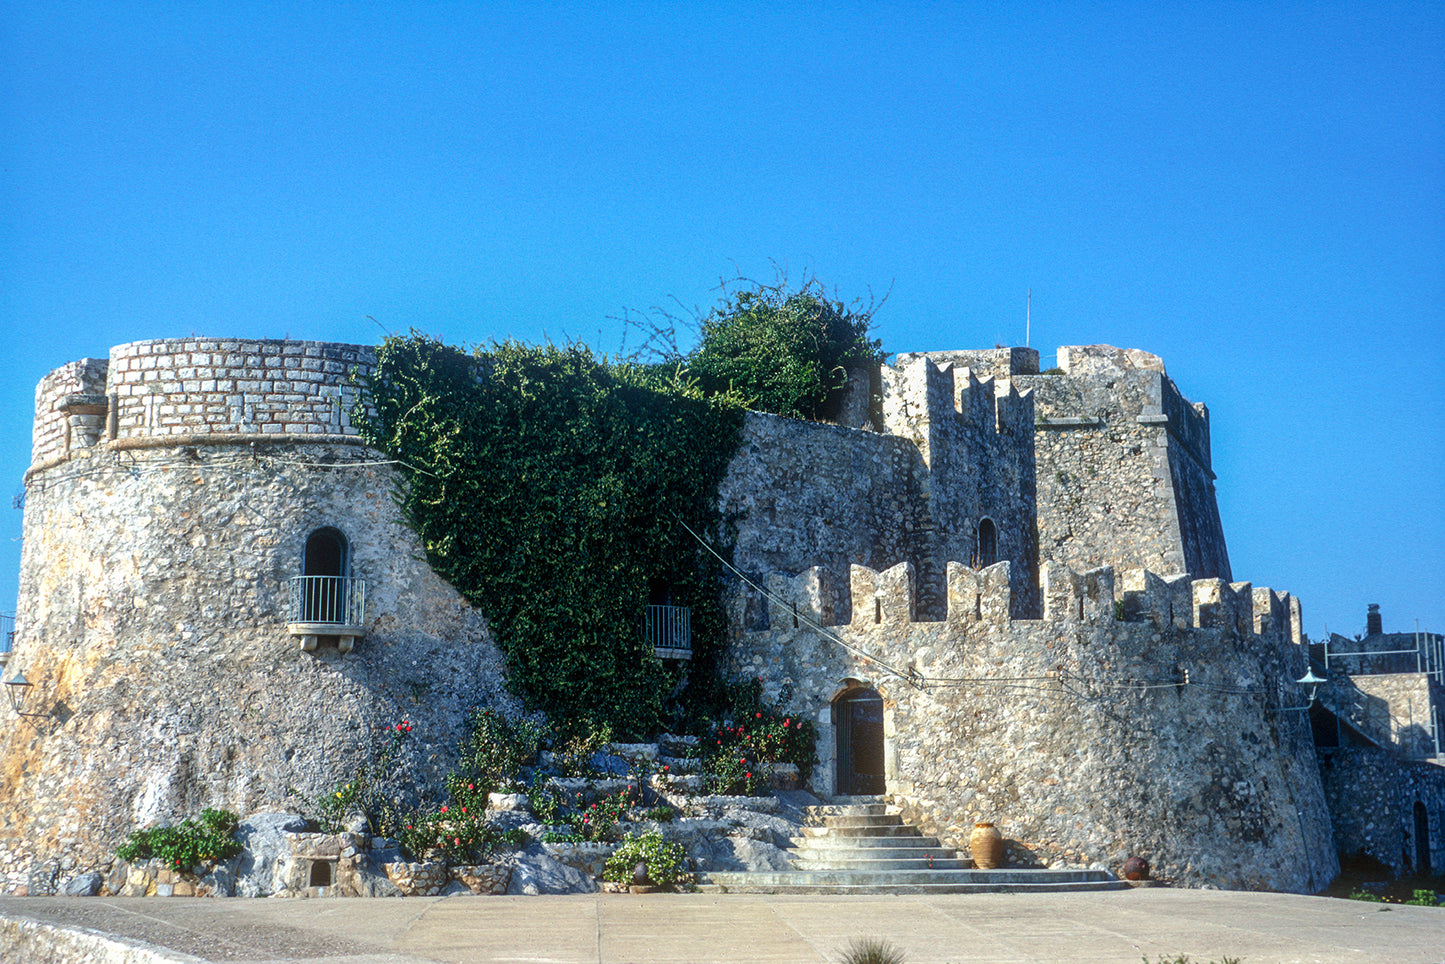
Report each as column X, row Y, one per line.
column 855, row 846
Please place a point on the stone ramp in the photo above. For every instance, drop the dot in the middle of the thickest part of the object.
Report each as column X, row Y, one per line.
column 856, row 845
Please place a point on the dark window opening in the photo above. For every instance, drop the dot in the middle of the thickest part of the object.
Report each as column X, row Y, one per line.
column 987, row 543
column 325, row 553
column 324, row 590
column 320, row 873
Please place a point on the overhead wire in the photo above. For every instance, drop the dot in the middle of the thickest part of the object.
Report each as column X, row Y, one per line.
column 918, row 680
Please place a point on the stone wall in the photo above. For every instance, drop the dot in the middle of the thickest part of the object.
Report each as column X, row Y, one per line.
column 804, row 494
column 167, row 388
column 152, row 619
column 1373, row 796
column 976, row 439
column 1084, row 737
column 1393, row 709
column 1122, row 467
column 51, row 435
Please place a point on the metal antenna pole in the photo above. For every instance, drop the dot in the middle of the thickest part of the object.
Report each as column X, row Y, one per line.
column 1028, row 317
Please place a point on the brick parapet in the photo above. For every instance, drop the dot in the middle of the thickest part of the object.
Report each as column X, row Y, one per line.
column 188, row 389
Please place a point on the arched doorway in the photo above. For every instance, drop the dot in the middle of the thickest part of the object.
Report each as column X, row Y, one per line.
column 324, row 562
column 1422, row 841
column 858, row 725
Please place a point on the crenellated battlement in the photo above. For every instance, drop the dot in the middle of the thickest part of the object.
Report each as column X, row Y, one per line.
column 928, row 398
column 887, row 599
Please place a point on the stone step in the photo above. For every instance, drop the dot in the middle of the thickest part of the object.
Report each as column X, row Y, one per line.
column 891, row 861
column 871, row 846
column 843, row 821
column 910, row 881
column 887, row 830
column 818, row 814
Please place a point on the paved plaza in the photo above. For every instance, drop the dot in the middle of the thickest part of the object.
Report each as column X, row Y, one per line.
column 1125, row 926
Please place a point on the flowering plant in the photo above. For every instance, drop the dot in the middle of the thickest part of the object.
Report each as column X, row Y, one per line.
column 188, row 843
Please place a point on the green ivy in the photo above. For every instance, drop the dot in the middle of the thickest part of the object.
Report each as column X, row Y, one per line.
column 549, row 488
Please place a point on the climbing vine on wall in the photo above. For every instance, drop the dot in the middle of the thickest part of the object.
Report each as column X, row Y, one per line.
column 548, row 487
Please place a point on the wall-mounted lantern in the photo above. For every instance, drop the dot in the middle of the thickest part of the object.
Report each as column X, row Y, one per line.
column 1313, row 682
column 17, row 690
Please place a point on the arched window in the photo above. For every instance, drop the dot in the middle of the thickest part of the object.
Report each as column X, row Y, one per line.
column 987, row 550
column 325, row 553
column 324, row 590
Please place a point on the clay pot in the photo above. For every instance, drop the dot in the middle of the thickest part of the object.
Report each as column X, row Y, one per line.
column 986, row 845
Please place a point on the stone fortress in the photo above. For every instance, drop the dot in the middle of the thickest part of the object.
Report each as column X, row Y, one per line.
column 1003, row 593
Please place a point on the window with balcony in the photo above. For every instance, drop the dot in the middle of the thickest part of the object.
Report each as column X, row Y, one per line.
column 325, row 600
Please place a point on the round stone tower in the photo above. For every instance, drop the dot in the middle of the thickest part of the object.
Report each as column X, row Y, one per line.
column 220, row 604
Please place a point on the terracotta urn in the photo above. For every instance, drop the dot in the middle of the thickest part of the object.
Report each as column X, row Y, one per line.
column 986, row 845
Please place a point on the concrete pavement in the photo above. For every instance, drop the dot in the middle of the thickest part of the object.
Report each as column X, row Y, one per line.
column 1124, row 926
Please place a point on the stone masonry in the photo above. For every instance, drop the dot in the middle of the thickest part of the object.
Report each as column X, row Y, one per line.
column 1027, row 566
column 152, row 617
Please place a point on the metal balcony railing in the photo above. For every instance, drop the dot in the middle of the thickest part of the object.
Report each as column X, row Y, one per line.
column 7, row 636
column 669, row 631
column 327, row 601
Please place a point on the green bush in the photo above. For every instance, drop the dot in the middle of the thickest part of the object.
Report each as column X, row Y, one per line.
column 740, row 758
column 588, row 739
column 598, row 821
column 666, row 861
column 188, row 843
column 367, row 791
column 785, row 351
column 492, row 756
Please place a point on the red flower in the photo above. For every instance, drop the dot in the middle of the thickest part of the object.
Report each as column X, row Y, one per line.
column 750, row 776
column 471, row 786
column 464, row 809
column 444, row 809
column 456, row 841
column 760, row 716
column 666, row 767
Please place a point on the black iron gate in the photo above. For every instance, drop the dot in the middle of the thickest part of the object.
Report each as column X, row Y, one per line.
column 858, row 722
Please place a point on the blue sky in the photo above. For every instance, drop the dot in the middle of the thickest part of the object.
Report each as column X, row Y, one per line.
column 1253, row 191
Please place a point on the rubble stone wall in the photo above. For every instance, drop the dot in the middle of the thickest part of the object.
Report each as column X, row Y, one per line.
column 1373, row 796
column 152, row 623
column 1085, row 738
column 1123, row 467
